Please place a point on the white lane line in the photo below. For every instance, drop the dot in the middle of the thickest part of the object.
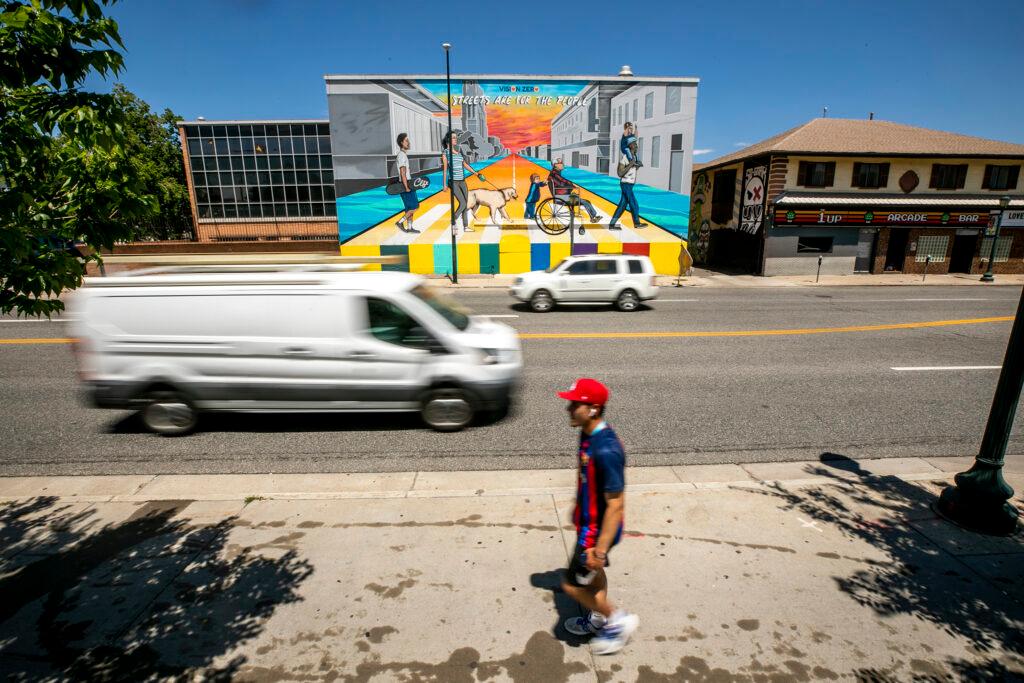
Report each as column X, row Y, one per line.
column 947, row 367
column 499, row 316
column 43, row 320
column 955, row 299
column 672, row 300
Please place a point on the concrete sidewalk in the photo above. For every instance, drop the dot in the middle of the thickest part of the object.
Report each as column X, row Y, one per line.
column 706, row 278
column 777, row 572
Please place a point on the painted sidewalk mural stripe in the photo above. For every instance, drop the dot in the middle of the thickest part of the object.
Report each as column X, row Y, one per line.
column 496, row 245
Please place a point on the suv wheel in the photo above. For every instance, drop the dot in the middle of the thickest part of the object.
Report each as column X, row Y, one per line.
column 541, row 301
column 447, row 410
column 168, row 413
column 627, row 301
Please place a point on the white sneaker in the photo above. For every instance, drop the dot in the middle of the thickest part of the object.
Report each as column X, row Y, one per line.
column 581, row 626
column 614, row 636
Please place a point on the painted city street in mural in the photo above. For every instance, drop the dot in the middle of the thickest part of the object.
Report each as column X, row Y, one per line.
column 532, row 157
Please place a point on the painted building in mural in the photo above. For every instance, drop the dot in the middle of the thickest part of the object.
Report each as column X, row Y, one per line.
column 510, row 129
column 864, row 196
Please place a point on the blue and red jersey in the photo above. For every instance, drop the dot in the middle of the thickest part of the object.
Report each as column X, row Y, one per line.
column 602, row 465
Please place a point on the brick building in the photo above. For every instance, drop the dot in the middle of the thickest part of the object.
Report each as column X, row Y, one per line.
column 864, row 195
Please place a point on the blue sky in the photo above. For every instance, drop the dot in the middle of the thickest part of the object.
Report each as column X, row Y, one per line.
column 764, row 66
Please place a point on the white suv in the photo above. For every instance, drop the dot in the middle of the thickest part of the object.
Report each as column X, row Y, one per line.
column 622, row 279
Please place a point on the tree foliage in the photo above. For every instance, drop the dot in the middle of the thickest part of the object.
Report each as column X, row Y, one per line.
column 65, row 172
column 154, row 151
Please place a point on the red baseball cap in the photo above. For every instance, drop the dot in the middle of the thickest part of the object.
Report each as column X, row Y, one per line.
column 586, row 390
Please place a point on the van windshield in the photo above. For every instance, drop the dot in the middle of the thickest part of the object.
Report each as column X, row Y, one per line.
column 452, row 312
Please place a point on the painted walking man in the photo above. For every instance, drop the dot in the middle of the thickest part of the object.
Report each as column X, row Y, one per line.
column 598, row 516
column 409, row 199
column 629, row 162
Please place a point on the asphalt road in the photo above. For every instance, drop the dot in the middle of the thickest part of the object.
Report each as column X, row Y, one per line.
column 675, row 399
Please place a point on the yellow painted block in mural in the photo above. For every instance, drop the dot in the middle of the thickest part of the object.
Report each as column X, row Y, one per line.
column 421, row 259
column 665, row 256
column 514, row 254
column 362, row 250
column 469, row 258
column 514, row 262
column 559, row 252
column 609, row 247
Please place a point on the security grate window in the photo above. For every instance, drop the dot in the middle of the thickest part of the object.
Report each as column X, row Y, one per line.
column 932, row 245
column 1002, row 248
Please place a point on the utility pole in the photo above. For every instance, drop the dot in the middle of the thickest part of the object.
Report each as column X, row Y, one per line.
column 980, row 498
column 451, row 171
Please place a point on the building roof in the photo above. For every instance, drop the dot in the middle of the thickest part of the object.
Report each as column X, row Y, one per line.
column 221, row 122
column 606, row 78
column 838, row 199
column 869, row 137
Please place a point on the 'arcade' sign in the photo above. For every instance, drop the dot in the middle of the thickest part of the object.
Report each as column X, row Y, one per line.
column 976, row 219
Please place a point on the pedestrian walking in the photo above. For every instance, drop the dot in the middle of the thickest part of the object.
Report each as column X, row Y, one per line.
column 409, row 199
column 599, row 515
column 458, row 177
column 629, row 162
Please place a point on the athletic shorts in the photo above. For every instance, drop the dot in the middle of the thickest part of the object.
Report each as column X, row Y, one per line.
column 577, row 574
column 410, row 200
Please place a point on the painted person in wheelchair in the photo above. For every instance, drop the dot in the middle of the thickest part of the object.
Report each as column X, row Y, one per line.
column 566, row 190
column 533, row 196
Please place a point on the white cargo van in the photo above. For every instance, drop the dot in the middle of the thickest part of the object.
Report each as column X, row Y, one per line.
column 176, row 343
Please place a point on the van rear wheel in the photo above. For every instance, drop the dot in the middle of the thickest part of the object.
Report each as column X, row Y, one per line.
column 168, row 413
column 447, row 410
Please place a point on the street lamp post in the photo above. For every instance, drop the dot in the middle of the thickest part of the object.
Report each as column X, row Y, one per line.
column 1003, row 203
column 980, row 498
column 451, row 195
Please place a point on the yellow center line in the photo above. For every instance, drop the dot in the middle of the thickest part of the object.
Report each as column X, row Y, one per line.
column 39, row 340
column 763, row 333
column 722, row 333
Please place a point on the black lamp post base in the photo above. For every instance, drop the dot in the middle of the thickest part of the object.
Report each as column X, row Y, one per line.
column 987, row 278
column 979, row 501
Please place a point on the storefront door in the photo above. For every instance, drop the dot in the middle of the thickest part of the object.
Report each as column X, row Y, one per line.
column 865, row 250
column 897, row 250
column 964, row 247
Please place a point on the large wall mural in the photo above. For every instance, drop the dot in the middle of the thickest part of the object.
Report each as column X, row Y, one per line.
column 529, row 152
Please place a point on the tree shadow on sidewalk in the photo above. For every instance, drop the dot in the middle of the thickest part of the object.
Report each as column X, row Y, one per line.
column 152, row 597
column 565, row 606
column 962, row 582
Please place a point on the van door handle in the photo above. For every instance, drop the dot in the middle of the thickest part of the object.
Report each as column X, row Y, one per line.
column 298, row 351
column 362, row 355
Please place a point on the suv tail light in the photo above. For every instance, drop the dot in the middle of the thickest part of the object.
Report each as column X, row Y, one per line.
column 653, row 281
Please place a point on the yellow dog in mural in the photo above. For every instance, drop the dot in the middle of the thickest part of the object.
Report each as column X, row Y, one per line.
column 495, row 200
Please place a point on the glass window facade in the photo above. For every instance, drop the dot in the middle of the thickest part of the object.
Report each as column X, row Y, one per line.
column 262, row 170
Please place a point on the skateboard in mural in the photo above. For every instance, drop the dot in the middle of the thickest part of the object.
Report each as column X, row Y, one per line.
column 414, row 184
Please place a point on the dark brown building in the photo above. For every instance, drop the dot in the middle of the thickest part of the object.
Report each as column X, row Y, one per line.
column 866, row 196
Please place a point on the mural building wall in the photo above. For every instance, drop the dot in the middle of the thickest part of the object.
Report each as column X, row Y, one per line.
column 513, row 203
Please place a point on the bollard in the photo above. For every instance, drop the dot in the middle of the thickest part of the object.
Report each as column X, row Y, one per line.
column 819, row 269
column 927, row 260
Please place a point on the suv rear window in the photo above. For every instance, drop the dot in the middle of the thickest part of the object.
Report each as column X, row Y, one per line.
column 605, row 267
column 635, row 267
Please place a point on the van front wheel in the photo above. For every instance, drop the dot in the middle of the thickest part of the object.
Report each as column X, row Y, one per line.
column 168, row 413
column 447, row 410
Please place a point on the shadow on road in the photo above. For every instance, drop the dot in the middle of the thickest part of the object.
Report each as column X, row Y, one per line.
column 967, row 584
column 154, row 596
column 274, row 423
